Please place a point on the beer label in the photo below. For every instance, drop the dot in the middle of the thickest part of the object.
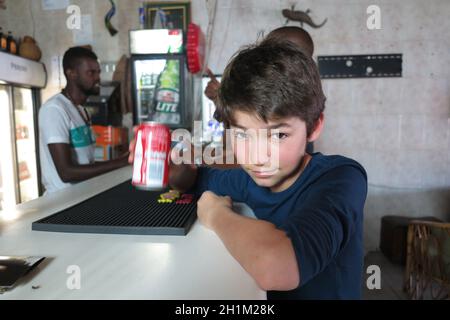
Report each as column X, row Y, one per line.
column 167, row 100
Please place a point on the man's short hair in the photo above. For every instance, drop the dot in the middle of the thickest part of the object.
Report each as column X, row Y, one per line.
column 296, row 35
column 272, row 80
column 73, row 56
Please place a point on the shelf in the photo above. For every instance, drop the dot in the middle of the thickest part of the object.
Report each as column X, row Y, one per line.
column 15, row 69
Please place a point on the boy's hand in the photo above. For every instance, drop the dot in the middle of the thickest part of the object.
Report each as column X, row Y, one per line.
column 212, row 89
column 181, row 177
column 210, row 205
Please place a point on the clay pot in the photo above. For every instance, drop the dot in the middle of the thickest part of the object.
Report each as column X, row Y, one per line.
column 29, row 49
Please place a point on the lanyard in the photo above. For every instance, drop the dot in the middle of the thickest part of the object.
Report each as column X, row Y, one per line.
column 86, row 118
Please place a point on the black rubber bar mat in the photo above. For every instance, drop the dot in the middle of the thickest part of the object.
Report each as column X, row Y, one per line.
column 123, row 210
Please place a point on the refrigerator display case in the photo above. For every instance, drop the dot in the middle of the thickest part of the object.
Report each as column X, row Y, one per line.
column 20, row 82
column 161, row 84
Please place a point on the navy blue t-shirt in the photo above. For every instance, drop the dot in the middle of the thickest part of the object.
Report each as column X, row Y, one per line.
column 322, row 214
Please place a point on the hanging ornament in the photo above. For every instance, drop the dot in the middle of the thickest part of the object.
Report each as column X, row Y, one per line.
column 109, row 15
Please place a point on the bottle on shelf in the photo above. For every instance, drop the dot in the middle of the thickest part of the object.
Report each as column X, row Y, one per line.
column 145, row 96
column 11, row 44
column 3, row 41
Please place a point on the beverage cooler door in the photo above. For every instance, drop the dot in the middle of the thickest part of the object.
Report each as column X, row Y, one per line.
column 159, row 90
column 18, row 160
column 24, row 126
column 8, row 190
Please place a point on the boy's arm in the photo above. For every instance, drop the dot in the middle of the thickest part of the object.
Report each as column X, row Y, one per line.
column 264, row 251
column 318, row 230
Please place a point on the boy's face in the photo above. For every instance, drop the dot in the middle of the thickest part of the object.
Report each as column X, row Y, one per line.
column 273, row 152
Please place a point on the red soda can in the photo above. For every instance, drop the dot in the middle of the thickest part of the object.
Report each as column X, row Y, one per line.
column 151, row 156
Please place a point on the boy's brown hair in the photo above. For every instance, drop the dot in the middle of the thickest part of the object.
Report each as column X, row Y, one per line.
column 272, row 80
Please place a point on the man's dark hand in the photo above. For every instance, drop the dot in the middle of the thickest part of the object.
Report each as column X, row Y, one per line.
column 212, row 88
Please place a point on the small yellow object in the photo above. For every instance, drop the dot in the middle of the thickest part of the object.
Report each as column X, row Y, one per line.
column 169, row 197
column 165, row 201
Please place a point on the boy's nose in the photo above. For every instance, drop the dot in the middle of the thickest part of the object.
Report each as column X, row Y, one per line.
column 259, row 153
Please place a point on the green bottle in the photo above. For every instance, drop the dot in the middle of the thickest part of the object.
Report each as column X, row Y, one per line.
column 168, row 94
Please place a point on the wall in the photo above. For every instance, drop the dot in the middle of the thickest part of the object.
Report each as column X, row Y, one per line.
column 398, row 128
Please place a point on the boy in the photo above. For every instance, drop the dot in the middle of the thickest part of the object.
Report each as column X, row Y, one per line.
column 307, row 241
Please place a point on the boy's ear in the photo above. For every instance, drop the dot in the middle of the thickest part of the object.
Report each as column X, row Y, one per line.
column 317, row 128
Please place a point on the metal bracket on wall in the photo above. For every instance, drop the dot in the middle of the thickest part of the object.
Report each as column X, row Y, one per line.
column 360, row 66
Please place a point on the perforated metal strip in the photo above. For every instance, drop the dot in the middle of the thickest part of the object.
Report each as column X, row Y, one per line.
column 360, row 66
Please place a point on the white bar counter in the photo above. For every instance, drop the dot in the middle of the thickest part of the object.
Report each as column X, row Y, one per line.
column 114, row 266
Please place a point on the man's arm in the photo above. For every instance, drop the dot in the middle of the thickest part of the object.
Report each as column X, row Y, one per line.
column 71, row 172
column 212, row 88
column 264, row 251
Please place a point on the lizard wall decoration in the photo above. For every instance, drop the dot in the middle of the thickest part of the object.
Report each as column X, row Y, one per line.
column 300, row 16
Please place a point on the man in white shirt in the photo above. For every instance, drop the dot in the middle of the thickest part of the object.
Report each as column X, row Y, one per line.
column 66, row 140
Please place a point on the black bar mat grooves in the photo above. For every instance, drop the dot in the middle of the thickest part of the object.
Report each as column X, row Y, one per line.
column 122, row 210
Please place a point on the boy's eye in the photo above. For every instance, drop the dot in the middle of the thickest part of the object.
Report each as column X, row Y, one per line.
column 279, row 136
column 240, row 135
